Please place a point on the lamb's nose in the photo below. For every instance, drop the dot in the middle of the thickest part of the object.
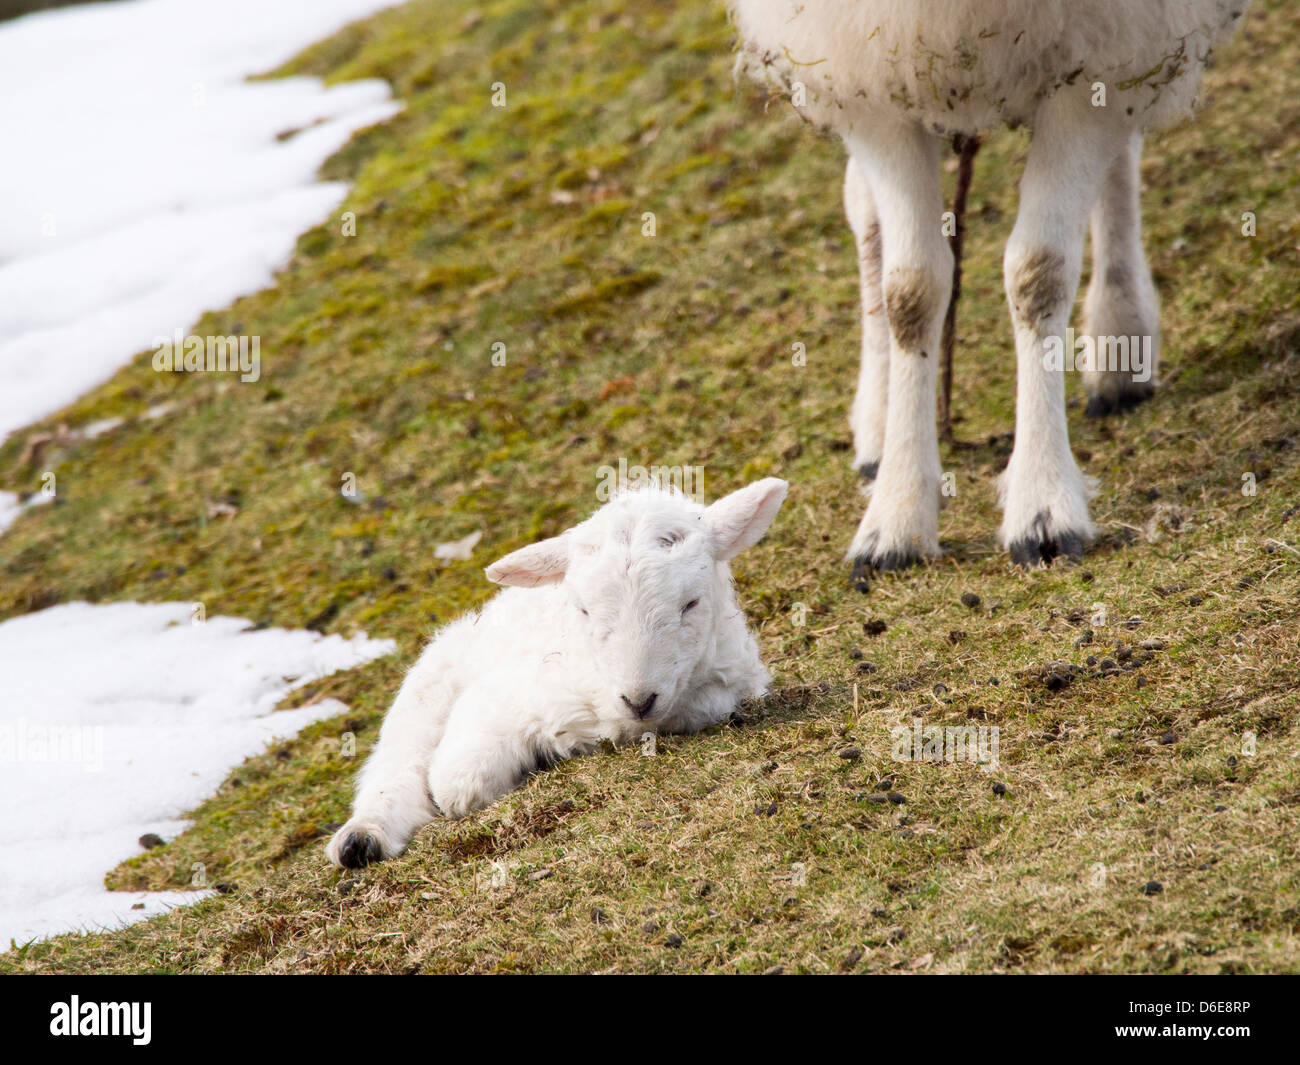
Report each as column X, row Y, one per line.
column 642, row 708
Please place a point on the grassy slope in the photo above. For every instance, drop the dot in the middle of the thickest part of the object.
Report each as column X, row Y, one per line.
column 523, row 225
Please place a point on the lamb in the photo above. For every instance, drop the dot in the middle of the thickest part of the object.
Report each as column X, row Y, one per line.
column 892, row 77
column 624, row 625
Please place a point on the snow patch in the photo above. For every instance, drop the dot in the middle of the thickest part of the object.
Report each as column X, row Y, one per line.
column 147, row 181
column 116, row 720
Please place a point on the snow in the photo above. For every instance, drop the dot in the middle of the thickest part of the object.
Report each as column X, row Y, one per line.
column 12, row 505
column 144, row 182
column 115, row 720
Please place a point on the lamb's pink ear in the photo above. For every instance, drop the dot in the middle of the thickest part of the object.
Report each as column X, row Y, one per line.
column 540, row 563
column 739, row 520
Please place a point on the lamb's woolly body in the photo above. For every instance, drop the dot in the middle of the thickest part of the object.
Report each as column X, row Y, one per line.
column 538, row 674
column 967, row 65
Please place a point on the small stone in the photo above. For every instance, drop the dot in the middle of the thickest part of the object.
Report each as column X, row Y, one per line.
column 999, row 788
column 850, row 754
column 150, row 840
column 874, row 627
column 1152, row 887
column 1168, row 738
column 541, row 874
column 897, row 798
column 866, row 667
column 855, row 654
column 673, row 941
column 970, row 599
column 1152, row 645
column 650, row 927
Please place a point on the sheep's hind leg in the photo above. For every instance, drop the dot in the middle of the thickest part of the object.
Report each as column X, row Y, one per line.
column 1044, row 496
column 900, row 164
column 1121, row 312
column 871, row 402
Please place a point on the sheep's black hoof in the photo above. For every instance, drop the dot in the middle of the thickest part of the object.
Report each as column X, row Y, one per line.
column 867, row 471
column 867, row 563
column 359, row 849
column 1039, row 548
column 1103, row 406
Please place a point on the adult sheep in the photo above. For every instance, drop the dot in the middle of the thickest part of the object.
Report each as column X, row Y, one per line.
column 892, row 77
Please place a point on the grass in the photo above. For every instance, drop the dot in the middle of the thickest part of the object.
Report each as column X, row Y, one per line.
column 755, row 846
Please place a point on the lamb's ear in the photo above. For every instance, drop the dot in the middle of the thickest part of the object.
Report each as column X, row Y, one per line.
column 540, row 563
column 739, row 520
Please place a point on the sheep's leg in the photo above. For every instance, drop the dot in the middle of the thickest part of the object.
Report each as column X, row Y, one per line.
column 900, row 162
column 392, row 801
column 1121, row 311
column 1044, row 496
column 871, row 402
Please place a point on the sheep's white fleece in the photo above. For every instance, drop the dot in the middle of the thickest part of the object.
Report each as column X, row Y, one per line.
column 966, row 65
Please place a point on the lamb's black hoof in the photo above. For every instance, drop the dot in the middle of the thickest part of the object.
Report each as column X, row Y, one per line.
column 1039, row 548
column 1103, row 406
column 867, row 471
column 359, row 849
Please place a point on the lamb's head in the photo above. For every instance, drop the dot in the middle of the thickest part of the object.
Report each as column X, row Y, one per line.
column 647, row 589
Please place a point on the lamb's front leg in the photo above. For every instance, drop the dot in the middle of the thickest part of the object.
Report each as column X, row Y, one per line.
column 392, row 801
column 1121, row 311
column 1044, row 496
column 900, row 162
column 487, row 751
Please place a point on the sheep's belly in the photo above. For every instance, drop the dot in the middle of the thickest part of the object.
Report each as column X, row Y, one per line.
column 972, row 64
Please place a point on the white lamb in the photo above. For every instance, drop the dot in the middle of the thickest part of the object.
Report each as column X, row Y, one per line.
column 891, row 77
column 623, row 625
